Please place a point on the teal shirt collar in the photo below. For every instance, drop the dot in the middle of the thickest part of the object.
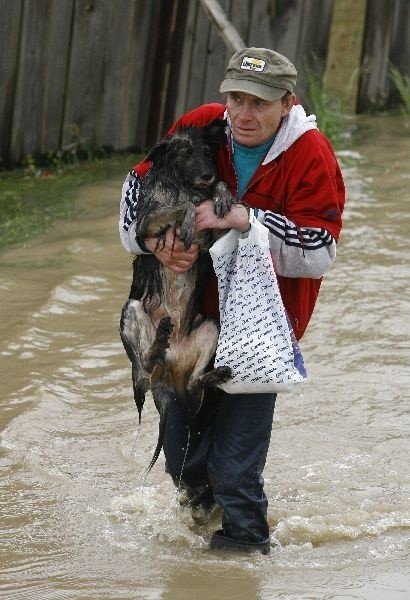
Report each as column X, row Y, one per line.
column 246, row 160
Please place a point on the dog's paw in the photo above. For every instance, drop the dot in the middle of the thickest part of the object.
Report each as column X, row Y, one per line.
column 223, row 199
column 186, row 236
column 217, row 376
column 187, row 226
column 223, row 374
column 164, row 331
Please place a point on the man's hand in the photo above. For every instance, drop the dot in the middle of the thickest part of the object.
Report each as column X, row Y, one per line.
column 173, row 254
column 237, row 217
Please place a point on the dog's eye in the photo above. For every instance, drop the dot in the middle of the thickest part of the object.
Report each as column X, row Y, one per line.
column 185, row 154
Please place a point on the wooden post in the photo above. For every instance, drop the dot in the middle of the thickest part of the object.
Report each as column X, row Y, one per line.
column 229, row 34
column 342, row 73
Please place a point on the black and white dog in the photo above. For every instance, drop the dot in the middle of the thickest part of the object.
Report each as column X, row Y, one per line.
column 169, row 343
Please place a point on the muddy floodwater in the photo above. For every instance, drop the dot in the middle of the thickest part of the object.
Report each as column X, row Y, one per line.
column 78, row 520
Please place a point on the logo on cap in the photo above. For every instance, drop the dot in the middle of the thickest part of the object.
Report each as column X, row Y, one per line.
column 253, row 64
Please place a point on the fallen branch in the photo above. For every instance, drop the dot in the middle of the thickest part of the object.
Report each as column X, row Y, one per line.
column 228, row 32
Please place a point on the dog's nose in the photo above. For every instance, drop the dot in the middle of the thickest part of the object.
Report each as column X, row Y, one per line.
column 207, row 177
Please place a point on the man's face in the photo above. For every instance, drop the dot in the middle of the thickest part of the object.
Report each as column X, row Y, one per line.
column 254, row 120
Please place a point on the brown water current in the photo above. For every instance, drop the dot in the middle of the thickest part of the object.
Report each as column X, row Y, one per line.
column 78, row 520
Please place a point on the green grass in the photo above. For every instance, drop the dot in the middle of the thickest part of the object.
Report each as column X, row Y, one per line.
column 402, row 84
column 33, row 198
column 331, row 119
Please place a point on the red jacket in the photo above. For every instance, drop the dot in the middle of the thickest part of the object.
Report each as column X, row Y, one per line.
column 304, row 183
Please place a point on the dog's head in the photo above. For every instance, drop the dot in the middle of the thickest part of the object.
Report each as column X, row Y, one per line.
column 189, row 155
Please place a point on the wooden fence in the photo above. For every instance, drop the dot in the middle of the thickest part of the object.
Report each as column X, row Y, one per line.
column 117, row 72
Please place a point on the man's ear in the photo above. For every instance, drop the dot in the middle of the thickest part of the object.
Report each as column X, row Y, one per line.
column 287, row 102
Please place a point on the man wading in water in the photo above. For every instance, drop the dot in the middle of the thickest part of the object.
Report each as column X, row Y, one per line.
column 277, row 162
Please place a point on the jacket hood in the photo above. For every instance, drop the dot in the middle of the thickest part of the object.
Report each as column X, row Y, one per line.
column 295, row 124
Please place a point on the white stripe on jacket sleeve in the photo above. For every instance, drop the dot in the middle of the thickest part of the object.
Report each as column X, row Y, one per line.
column 129, row 199
column 298, row 251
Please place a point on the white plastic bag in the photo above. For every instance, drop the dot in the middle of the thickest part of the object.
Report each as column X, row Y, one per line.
column 256, row 339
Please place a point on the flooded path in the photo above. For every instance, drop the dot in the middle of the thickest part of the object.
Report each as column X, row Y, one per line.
column 77, row 519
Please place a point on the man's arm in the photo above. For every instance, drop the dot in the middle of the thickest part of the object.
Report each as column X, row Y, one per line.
column 303, row 239
column 298, row 251
column 127, row 223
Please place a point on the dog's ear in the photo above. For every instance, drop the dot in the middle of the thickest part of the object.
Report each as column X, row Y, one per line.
column 157, row 152
column 214, row 133
column 215, row 130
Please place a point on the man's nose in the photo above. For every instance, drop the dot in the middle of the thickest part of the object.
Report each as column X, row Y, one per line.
column 246, row 111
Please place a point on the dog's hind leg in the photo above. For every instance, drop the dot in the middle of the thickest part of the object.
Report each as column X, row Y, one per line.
column 136, row 331
column 156, row 355
column 197, row 385
column 195, row 354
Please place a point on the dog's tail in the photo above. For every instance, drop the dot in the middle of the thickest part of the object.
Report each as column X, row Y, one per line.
column 162, row 398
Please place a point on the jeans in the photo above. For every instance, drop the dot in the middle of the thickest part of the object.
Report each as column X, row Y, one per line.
column 228, row 445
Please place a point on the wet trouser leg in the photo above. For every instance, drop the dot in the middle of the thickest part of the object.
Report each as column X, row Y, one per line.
column 236, row 459
column 194, row 462
column 229, row 442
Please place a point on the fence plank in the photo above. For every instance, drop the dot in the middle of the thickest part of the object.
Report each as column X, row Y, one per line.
column 165, row 55
column 86, row 72
column 60, row 14
column 195, row 92
column 342, row 73
column 10, row 24
column 313, row 38
column 216, row 63
column 314, row 35
column 240, row 17
column 187, row 59
column 41, row 77
column 260, row 33
column 286, row 25
column 126, row 76
column 119, row 16
column 400, row 46
column 375, row 64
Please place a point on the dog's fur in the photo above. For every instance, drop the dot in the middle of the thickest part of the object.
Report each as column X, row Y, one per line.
column 169, row 343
